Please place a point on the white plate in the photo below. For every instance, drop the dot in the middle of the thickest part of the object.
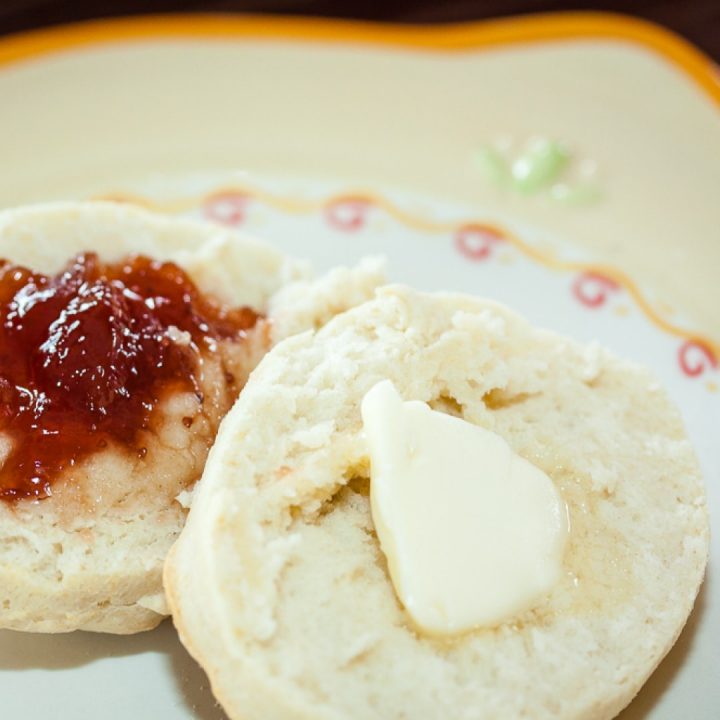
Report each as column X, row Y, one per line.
column 140, row 107
column 442, row 247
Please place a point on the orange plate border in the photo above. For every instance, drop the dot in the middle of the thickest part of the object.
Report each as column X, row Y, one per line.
column 456, row 37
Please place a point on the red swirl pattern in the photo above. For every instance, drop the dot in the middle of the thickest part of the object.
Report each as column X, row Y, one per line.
column 226, row 208
column 592, row 289
column 347, row 214
column 476, row 242
column 695, row 358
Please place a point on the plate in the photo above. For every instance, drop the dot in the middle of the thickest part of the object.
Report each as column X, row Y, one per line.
column 514, row 159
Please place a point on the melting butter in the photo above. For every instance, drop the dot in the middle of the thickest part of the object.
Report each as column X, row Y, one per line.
column 472, row 532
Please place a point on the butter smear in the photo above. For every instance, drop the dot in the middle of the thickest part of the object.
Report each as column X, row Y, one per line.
column 473, row 533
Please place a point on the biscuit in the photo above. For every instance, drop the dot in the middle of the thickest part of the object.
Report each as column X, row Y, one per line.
column 278, row 586
column 90, row 556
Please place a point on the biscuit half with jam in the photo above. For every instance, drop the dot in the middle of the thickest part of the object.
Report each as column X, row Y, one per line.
column 125, row 337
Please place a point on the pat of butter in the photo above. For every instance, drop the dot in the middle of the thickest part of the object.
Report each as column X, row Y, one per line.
column 472, row 532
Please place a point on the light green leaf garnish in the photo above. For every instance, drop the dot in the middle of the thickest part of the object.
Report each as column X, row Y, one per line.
column 539, row 166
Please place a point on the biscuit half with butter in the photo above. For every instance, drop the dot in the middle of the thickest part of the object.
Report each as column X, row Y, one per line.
column 125, row 337
column 446, row 513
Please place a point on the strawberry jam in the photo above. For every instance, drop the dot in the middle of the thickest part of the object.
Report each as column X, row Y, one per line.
column 86, row 355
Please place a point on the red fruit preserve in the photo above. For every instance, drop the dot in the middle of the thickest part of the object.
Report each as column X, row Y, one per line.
column 85, row 356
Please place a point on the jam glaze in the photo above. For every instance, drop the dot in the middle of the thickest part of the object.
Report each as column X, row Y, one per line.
column 87, row 355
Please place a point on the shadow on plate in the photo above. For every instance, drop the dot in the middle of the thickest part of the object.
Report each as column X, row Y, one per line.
column 192, row 682
column 28, row 651
column 653, row 690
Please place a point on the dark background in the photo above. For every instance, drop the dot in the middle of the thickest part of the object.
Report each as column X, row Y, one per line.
column 697, row 20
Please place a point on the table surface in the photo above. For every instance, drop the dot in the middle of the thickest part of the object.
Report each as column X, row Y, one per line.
column 696, row 20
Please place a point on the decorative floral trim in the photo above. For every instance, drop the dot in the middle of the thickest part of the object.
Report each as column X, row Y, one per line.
column 474, row 240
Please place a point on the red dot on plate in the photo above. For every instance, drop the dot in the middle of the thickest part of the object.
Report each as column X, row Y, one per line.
column 226, row 208
column 476, row 242
column 347, row 214
column 592, row 289
column 695, row 357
